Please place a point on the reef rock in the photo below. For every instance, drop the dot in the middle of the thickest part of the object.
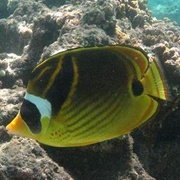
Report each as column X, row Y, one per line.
column 24, row 159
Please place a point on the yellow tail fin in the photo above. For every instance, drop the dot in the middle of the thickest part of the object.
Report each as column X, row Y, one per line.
column 155, row 83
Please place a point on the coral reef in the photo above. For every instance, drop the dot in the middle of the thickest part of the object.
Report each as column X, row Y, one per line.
column 32, row 30
column 24, row 159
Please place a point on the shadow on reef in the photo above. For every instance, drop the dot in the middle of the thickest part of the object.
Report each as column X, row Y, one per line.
column 158, row 150
column 51, row 3
column 94, row 162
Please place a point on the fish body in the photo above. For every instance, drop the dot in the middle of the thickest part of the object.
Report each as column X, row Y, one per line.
column 88, row 95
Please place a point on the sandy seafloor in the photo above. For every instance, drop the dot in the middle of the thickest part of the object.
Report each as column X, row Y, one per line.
column 31, row 30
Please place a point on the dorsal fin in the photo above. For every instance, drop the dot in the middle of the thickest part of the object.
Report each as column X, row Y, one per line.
column 138, row 57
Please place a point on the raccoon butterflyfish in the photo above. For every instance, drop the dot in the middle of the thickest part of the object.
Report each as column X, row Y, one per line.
column 88, row 95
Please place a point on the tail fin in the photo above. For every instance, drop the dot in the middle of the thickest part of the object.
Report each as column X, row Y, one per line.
column 155, row 83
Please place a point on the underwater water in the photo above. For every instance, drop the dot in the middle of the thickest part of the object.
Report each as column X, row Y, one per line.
column 165, row 8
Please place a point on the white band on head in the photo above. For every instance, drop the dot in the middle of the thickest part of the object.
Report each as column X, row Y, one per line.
column 43, row 105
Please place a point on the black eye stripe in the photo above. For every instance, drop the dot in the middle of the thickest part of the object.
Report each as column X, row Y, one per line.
column 137, row 87
column 31, row 115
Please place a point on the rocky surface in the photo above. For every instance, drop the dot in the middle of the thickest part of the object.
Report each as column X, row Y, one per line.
column 24, row 159
column 32, row 30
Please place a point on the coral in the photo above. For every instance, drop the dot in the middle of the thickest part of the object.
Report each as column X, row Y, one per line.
column 108, row 160
column 102, row 15
column 10, row 101
column 12, row 40
column 162, row 32
column 23, row 159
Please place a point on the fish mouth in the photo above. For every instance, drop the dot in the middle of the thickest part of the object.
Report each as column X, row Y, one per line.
column 16, row 126
column 12, row 126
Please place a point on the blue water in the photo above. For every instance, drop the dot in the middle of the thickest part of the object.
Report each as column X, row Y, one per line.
column 165, row 8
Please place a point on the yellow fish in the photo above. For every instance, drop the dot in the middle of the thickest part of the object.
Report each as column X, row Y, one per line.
column 88, row 95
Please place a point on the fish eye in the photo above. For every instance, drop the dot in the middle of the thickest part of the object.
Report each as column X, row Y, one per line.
column 137, row 87
column 31, row 116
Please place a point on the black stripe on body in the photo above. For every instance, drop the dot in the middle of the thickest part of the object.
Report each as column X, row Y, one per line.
column 99, row 116
column 103, row 77
column 41, row 76
column 100, row 72
column 59, row 90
